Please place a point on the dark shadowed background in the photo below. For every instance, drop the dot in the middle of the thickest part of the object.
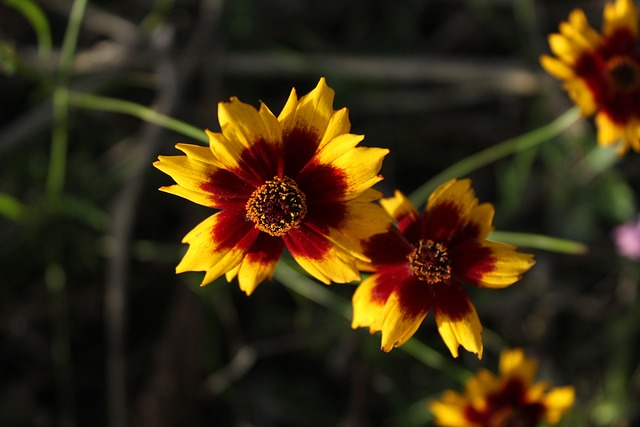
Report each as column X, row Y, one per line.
column 97, row 330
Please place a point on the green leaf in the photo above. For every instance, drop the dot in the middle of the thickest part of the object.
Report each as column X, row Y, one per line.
column 12, row 208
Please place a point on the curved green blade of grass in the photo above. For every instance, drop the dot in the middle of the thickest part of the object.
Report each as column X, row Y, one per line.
column 494, row 153
column 38, row 20
column 102, row 103
column 539, row 241
column 320, row 294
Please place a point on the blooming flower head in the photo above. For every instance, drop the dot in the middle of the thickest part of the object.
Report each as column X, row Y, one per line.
column 509, row 400
column 627, row 239
column 297, row 180
column 424, row 262
column 601, row 71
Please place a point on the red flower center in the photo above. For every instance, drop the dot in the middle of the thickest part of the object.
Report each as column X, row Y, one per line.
column 277, row 206
column 623, row 73
column 429, row 262
column 509, row 417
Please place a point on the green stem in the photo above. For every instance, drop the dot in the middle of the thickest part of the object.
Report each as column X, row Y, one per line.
column 36, row 17
column 58, row 159
column 308, row 288
column 55, row 274
column 539, row 241
column 103, row 103
column 494, row 153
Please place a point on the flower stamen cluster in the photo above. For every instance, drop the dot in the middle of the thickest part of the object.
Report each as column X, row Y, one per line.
column 277, row 206
column 430, row 262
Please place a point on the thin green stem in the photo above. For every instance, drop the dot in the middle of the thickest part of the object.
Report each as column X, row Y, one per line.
column 539, row 241
column 58, row 158
column 494, row 153
column 59, row 142
column 55, row 275
column 103, row 103
column 306, row 287
column 38, row 20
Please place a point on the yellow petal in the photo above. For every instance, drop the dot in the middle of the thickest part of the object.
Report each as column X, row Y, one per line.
column 514, row 363
column 260, row 262
column 460, row 326
column 620, row 15
column 190, row 174
column 312, row 111
column 580, row 93
column 339, row 124
column 507, row 265
column 320, row 257
column 578, row 20
column 610, row 134
column 558, row 402
column 563, row 48
column 199, row 197
column 360, row 165
column 452, row 208
column 243, row 129
column 367, row 309
column 399, row 206
column 478, row 387
column 450, row 410
column 217, row 245
column 398, row 324
column 362, row 220
column 556, row 67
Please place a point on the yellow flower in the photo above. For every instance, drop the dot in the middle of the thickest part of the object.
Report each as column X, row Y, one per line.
column 511, row 399
column 424, row 262
column 297, row 180
column 601, row 71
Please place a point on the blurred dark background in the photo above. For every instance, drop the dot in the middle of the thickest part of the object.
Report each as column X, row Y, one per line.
column 97, row 330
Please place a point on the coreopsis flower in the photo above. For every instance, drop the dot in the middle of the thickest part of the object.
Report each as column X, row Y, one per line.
column 423, row 263
column 510, row 399
column 297, row 180
column 601, row 71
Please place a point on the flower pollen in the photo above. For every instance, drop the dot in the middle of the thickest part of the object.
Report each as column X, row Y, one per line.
column 430, row 262
column 277, row 206
column 623, row 73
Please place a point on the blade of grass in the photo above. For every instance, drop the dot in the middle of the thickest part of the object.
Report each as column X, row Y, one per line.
column 308, row 288
column 102, row 103
column 494, row 153
column 38, row 20
column 539, row 241
column 60, row 344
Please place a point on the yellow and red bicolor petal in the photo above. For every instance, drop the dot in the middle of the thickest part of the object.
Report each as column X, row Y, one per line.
column 456, row 318
column 313, row 111
column 624, row 135
column 558, row 402
column 393, row 302
column 218, row 244
column 488, row 264
column 557, row 68
column 514, row 363
column 200, row 181
column 453, row 214
column 250, row 144
column 386, row 248
column 621, row 14
column 309, row 124
column 361, row 220
column 357, row 167
column 405, row 214
column 321, row 257
column 479, row 386
column 259, row 262
column 449, row 411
